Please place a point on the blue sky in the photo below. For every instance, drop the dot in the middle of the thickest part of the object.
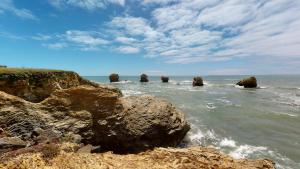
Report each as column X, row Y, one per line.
column 170, row 37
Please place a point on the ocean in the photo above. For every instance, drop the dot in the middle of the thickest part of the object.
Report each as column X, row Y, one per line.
column 244, row 123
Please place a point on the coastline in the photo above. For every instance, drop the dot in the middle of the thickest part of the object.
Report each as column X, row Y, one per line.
column 142, row 132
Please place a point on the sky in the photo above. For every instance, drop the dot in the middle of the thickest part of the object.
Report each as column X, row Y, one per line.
column 157, row 37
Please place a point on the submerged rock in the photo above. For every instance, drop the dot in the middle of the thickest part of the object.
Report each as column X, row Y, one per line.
column 114, row 77
column 248, row 82
column 198, row 81
column 144, row 78
column 164, row 79
column 159, row 158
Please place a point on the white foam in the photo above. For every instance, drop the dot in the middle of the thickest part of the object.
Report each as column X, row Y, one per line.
column 123, row 82
column 244, row 151
column 227, row 143
column 210, row 106
column 127, row 93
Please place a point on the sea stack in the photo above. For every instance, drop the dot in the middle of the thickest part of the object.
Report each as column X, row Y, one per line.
column 248, row 82
column 164, row 79
column 114, row 77
column 198, row 81
column 144, row 78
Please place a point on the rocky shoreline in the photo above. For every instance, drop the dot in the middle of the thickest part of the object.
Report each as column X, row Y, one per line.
column 57, row 119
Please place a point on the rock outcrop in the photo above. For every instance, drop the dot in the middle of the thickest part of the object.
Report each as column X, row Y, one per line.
column 159, row 158
column 248, row 82
column 36, row 85
column 114, row 78
column 164, row 79
column 98, row 116
column 198, row 81
column 144, row 78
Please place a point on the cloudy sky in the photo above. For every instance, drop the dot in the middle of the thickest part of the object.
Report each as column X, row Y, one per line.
column 172, row 37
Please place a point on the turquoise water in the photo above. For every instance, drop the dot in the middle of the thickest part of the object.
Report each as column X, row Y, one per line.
column 245, row 123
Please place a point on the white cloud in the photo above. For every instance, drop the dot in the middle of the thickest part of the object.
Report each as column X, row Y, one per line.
column 85, row 37
column 128, row 50
column 41, row 37
column 188, row 31
column 55, row 46
column 85, row 4
column 8, row 5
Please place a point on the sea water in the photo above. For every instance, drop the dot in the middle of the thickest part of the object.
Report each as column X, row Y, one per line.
column 244, row 123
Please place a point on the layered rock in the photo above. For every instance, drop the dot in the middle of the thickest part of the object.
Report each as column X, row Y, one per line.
column 114, row 78
column 97, row 115
column 198, row 81
column 164, row 79
column 36, row 85
column 248, row 82
column 159, row 158
column 144, row 78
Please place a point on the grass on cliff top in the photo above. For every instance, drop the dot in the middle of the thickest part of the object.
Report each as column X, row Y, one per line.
column 27, row 70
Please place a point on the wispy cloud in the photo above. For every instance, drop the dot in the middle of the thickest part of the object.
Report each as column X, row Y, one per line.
column 188, row 31
column 85, row 4
column 8, row 6
column 82, row 40
column 128, row 49
column 55, row 46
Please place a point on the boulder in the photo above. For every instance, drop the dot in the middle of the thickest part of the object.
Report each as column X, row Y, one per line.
column 248, row 82
column 198, row 81
column 97, row 116
column 114, row 77
column 144, row 78
column 164, row 79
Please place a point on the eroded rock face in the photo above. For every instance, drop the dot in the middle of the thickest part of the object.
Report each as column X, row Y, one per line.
column 198, row 81
column 159, row 158
column 114, row 77
column 98, row 116
column 36, row 86
column 248, row 82
column 144, row 78
column 164, row 79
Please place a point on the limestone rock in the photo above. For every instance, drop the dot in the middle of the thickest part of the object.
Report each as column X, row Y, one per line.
column 114, row 77
column 11, row 143
column 164, row 79
column 35, row 86
column 159, row 158
column 198, row 81
column 248, row 82
column 144, row 78
column 99, row 115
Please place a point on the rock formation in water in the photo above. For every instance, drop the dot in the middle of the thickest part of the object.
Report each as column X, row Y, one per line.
column 68, row 156
column 144, row 78
column 248, row 82
column 114, row 78
column 198, row 81
column 164, row 79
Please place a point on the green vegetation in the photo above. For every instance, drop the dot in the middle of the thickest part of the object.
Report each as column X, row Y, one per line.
column 27, row 71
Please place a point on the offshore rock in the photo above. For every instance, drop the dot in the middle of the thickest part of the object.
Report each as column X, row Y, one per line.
column 164, row 79
column 114, row 77
column 198, row 81
column 144, row 78
column 248, row 82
